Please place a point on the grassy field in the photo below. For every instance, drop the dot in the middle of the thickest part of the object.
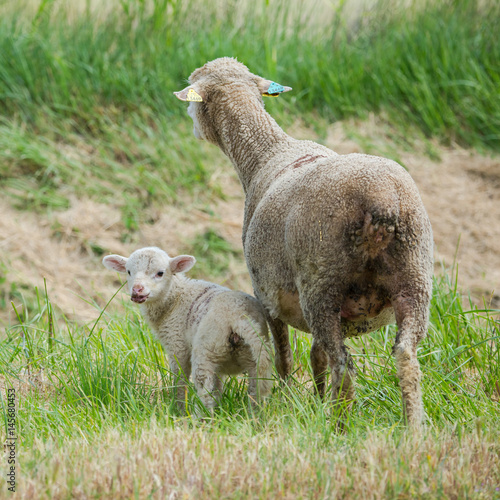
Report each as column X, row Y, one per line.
column 96, row 417
column 87, row 111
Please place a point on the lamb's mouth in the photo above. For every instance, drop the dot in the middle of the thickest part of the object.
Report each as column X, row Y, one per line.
column 139, row 298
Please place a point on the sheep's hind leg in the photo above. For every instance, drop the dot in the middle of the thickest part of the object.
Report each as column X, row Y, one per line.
column 342, row 369
column 324, row 320
column 319, row 363
column 412, row 318
column 283, row 357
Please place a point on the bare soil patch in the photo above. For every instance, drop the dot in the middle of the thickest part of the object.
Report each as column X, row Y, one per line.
column 461, row 192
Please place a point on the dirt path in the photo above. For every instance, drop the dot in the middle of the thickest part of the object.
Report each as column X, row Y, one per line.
column 461, row 193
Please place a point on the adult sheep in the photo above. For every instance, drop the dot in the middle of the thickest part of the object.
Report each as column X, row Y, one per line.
column 336, row 245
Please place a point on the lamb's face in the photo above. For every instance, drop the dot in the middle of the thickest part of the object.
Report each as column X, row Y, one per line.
column 149, row 271
column 148, row 275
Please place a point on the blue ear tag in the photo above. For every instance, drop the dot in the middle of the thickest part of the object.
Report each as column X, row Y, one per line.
column 275, row 88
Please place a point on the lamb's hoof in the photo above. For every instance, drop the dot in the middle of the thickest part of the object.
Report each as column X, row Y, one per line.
column 319, row 391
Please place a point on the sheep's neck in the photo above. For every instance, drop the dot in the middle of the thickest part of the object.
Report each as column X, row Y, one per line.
column 249, row 136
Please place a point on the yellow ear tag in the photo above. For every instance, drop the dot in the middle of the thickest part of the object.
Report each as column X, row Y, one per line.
column 193, row 96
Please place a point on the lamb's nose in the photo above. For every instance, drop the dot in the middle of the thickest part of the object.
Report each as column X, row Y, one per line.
column 139, row 294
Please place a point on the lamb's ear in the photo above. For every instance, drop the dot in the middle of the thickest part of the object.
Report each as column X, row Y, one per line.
column 269, row 88
column 190, row 94
column 115, row 263
column 182, row 263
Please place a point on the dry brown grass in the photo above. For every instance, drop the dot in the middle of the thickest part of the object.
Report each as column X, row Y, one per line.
column 187, row 463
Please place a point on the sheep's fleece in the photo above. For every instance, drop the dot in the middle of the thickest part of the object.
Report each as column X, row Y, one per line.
column 336, row 245
column 205, row 328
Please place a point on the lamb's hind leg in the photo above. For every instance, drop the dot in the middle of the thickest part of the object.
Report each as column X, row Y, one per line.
column 219, row 379
column 411, row 316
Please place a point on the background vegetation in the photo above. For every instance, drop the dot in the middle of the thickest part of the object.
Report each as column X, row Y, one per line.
column 87, row 110
column 85, row 94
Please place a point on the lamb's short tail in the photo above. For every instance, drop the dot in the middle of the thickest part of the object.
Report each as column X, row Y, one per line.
column 255, row 335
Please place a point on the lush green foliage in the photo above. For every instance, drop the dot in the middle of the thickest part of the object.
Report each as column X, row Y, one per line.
column 435, row 64
column 88, row 96
column 113, row 373
column 91, row 391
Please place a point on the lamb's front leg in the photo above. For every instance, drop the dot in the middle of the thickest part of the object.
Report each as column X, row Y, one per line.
column 205, row 377
column 180, row 366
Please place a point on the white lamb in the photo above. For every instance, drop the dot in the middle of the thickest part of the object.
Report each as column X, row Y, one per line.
column 205, row 328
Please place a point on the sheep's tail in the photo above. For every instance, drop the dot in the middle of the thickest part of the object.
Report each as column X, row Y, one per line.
column 375, row 233
column 256, row 336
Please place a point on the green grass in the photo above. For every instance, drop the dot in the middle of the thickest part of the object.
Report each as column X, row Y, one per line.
column 114, row 369
column 434, row 64
column 88, row 383
column 87, row 104
column 131, row 164
column 213, row 253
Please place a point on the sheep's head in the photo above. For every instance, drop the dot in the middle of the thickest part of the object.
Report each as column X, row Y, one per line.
column 222, row 81
column 149, row 271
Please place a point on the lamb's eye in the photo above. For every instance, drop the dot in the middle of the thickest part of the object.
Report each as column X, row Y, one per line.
column 159, row 274
column 128, row 273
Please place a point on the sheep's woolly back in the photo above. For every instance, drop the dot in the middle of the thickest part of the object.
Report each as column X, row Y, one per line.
column 308, row 210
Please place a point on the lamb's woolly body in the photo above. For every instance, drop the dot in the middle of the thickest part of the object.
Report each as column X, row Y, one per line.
column 336, row 245
column 206, row 329
column 202, row 317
